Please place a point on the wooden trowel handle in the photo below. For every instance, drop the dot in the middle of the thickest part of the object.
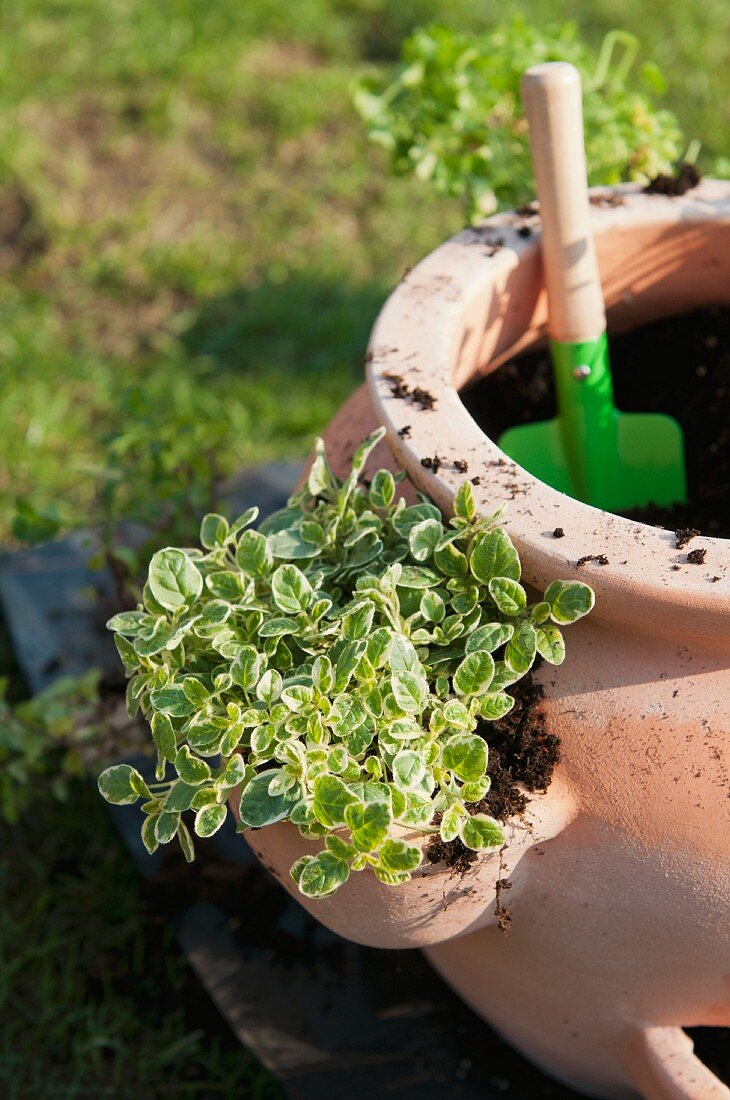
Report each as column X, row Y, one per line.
column 551, row 94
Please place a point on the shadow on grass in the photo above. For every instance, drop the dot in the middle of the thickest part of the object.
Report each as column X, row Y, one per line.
column 301, row 325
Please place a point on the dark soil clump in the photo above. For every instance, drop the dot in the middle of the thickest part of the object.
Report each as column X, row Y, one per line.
column 599, row 559
column 522, row 754
column 679, row 366
column 685, row 179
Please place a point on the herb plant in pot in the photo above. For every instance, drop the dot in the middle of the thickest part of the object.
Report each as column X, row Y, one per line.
column 332, row 675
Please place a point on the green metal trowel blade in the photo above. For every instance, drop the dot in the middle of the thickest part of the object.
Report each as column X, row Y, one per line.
column 593, row 452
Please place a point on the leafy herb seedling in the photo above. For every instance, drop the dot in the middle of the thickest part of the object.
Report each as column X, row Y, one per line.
column 453, row 114
column 335, row 665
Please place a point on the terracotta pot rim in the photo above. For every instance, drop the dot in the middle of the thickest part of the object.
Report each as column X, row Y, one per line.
column 417, row 337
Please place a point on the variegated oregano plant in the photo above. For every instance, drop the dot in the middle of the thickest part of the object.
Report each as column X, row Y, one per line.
column 335, row 665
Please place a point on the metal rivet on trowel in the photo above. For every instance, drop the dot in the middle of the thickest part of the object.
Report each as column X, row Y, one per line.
column 581, row 372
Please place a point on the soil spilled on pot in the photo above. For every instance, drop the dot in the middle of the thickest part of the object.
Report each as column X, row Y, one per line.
column 680, row 366
column 522, row 756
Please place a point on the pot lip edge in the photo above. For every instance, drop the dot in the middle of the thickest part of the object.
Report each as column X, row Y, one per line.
column 644, row 546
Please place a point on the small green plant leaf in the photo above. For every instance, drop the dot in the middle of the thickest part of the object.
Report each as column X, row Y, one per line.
column 464, row 504
column 331, row 798
column 494, row 556
column 550, row 644
column 569, row 601
column 490, row 637
column 253, row 554
column 291, row 590
column 399, row 856
column 115, row 784
column 213, row 531
column 474, row 674
column 174, row 580
column 368, row 824
column 509, row 596
column 479, row 831
column 166, row 825
column 209, row 819
column 466, row 756
column 191, row 769
column 424, row 538
column 520, row 650
column 257, row 807
column 322, row 875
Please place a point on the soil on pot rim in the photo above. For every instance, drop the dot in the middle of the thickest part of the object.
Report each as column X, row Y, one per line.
column 523, row 754
column 679, row 366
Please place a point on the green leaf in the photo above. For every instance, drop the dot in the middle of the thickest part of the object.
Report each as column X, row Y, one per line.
column 322, row 675
column 569, row 600
column 291, row 590
column 278, row 628
column 209, row 819
column 490, row 637
column 368, row 824
column 520, row 650
column 235, row 771
column 493, row 556
column 449, row 827
column 358, row 622
column 174, row 579
column 213, row 531
column 479, row 832
column 432, row 607
column 269, row 686
column 409, row 769
column 410, row 690
column 128, row 623
column 464, row 505
column 172, row 701
column 322, row 875
column 164, row 736
column 495, row 705
column 550, row 644
column 149, row 839
column 257, row 807
column 402, row 656
column 224, row 584
column 195, row 691
column 191, row 769
column 253, row 554
column 186, row 842
column 166, row 825
column 424, row 537
column 509, row 596
column 180, row 797
column 409, row 517
column 115, row 784
column 290, row 544
column 465, row 754
column 382, row 490
column 397, row 855
column 474, row 674
column 331, row 798
column 414, row 576
column 365, row 448
column 451, row 561
column 246, row 668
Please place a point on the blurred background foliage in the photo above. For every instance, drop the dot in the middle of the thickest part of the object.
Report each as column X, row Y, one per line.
column 196, row 232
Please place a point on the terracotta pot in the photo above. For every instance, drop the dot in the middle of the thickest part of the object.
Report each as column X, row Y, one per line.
column 620, row 902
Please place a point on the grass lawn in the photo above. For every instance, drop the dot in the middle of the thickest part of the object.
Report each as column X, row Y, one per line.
column 191, row 217
column 192, row 222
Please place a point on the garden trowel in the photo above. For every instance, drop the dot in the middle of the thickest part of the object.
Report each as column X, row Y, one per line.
column 591, row 451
